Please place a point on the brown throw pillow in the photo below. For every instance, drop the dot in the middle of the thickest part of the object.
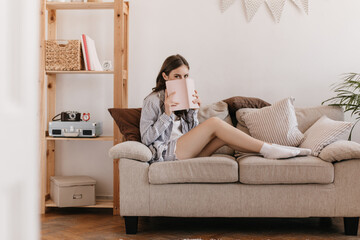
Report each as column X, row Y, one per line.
column 128, row 121
column 237, row 102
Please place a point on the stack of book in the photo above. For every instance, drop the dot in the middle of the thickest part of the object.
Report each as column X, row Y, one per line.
column 91, row 59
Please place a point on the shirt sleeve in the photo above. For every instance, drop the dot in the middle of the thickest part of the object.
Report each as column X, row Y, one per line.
column 151, row 127
column 192, row 116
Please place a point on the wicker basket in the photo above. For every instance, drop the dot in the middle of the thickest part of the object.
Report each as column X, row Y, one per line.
column 63, row 55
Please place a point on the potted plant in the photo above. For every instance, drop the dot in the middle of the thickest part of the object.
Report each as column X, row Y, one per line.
column 348, row 96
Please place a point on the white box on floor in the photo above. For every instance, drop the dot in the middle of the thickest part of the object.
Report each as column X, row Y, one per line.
column 72, row 191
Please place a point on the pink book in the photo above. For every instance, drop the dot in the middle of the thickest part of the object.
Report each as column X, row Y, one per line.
column 86, row 55
column 184, row 91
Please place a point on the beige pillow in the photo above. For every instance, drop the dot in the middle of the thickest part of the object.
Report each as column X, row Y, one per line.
column 340, row 150
column 309, row 115
column 132, row 150
column 220, row 110
column 274, row 124
column 243, row 128
column 240, row 121
column 306, row 116
column 324, row 132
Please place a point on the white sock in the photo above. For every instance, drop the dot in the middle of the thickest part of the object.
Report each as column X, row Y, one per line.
column 303, row 151
column 271, row 151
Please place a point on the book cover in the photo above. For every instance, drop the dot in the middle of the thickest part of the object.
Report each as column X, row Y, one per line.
column 86, row 50
column 184, row 90
column 98, row 65
column 94, row 60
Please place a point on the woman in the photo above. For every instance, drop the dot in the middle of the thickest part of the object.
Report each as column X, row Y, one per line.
column 178, row 135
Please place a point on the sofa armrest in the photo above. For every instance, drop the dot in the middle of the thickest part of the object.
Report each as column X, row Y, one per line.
column 347, row 186
column 132, row 150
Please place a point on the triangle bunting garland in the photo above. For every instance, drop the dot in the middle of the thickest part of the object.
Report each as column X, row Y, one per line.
column 251, row 7
column 298, row 3
column 225, row 4
column 305, row 4
column 276, row 7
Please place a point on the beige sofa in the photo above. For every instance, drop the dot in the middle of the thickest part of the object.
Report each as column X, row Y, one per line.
column 251, row 186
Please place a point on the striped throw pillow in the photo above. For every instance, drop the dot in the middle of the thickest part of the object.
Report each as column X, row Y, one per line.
column 275, row 124
column 324, row 132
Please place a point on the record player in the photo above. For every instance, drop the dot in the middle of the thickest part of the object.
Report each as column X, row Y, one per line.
column 75, row 129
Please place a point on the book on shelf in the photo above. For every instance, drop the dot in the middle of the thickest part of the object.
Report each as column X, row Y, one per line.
column 91, row 58
column 85, row 52
column 184, row 93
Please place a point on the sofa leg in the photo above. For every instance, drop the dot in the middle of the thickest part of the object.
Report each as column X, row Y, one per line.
column 131, row 224
column 351, row 225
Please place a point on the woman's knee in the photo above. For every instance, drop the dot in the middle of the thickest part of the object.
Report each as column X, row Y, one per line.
column 214, row 120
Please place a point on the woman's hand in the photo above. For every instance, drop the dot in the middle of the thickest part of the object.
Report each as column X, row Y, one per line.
column 169, row 102
column 197, row 99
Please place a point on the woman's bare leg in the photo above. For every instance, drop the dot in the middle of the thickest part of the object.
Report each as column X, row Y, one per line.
column 193, row 142
column 214, row 145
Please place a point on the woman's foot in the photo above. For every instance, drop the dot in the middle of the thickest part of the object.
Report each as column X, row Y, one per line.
column 275, row 152
column 303, row 151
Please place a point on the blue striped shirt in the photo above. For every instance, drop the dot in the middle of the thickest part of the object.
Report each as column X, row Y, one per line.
column 156, row 125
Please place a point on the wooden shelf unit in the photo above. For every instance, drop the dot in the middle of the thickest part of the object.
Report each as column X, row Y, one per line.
column 125, row 73
column 100, row 138
column 78, row 5
column 79, row 72
column 47, row 90
column 100, row 203
column 84, row 5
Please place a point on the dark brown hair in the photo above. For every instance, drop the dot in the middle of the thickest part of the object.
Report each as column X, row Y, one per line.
column 170, row 63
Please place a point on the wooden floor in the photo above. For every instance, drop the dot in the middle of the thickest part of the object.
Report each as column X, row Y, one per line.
column 79, row 223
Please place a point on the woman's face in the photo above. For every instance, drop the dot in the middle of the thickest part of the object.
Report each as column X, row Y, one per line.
column 181, row 72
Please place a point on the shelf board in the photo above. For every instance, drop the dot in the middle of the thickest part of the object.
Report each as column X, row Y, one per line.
column 100, row 138
column 100, row 203
column 80, row 72
column 79, row 5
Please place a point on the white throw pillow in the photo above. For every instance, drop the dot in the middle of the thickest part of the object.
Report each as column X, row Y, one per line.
column 275, row 124
column 324, row 132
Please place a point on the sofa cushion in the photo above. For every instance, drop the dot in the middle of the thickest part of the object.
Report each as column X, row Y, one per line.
column 218, row 109
column 237, row 102
column 305, row 116
column 275, row 124
column 298, row 170
column 309, row 115
column 132, row 150
column 218, row 168
column 340, row 150
column 128, row 121
column 324, row 132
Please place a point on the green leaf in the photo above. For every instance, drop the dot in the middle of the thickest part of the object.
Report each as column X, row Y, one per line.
column 347, row 95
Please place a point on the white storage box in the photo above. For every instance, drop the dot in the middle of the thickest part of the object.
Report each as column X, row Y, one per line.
column 72, row 191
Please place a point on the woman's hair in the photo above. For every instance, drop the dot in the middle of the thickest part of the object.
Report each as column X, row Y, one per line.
column 170, row 63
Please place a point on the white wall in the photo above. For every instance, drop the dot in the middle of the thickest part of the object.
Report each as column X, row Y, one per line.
column 301, row 56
